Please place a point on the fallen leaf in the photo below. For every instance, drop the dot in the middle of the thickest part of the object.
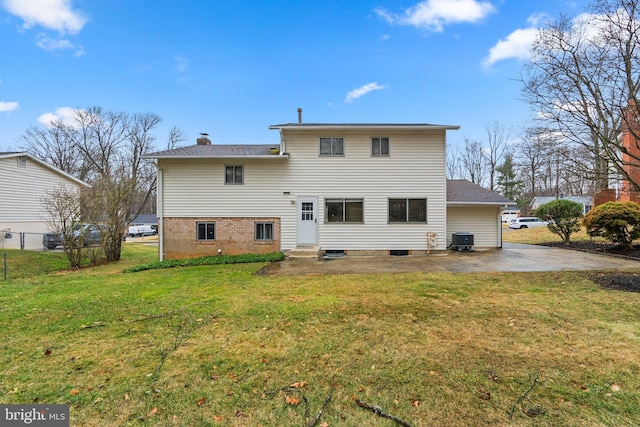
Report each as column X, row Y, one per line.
column 239, row 413
column 324, row 424
column 615, row 387
column 484, row 396
column 360, row 389
column 584, row 388
column 415, row 403
column 396, row 402
column 126, row 396
column 215, row 377
column 230, row 393
column 218, row 418
column 299, row 384
column 47, row 352
column 154, row 410
column 75, row 391
column 265, row 361
column 291, row 400
column 201, row 401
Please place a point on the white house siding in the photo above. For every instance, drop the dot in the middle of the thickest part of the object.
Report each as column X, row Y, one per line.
column 21, row 192
column 482, row 221
column 414, row 169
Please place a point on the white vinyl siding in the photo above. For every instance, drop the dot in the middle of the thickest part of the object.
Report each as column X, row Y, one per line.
column 271, row 186
column 23, row 187
column 481, row 221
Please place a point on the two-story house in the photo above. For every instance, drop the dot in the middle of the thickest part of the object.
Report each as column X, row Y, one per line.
column 336, row 187
column 26, row 180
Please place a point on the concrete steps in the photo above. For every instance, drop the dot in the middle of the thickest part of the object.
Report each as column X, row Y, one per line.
column 305, row 253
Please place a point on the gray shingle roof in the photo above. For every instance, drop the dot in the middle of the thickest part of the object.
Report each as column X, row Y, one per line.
column 217, row 151
column 364, row 126
column 461, row 191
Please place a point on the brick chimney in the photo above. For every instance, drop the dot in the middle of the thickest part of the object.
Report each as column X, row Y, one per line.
column 204, row 139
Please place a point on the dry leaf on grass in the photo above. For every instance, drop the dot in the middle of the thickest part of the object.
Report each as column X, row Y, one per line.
column 201, row 401
column 298, row 384
column 615, row 387
column 154, row 410
column 74, row 391
column 291, row 400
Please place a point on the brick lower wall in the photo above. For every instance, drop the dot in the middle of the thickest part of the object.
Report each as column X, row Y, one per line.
column 232, row 235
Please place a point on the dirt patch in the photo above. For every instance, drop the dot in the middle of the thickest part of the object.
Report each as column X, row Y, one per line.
column 621, row 281
column 629, row 282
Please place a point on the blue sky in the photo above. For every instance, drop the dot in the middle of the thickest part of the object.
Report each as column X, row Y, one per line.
column 234, row 68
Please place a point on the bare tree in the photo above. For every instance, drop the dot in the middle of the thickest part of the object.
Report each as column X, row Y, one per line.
column 497, row 139
column 453, row 162
column 64, row 215
column 533, row 150
column 473, row 162
column 580, row 78
column 108, row 148
column 55, row 144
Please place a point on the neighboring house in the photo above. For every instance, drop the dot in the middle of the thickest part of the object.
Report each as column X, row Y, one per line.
column 25, row 181
column 585, row 201
column 337, row 187
column 509, row 213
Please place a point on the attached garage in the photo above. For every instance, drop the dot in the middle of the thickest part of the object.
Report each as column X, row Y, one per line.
column 476, row 210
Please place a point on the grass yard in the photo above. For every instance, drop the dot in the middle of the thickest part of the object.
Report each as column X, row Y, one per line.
column 224, row 346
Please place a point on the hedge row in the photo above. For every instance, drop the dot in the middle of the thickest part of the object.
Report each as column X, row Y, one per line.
column 207, row 260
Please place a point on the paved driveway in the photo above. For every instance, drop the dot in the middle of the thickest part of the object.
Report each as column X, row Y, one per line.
column 512, row 257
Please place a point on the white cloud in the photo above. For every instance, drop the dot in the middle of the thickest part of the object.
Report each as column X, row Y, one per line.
column 362, row 90
column 433, row 15
column 8, row 106
column 51, row 14
column 64, row 114
column 49, row 44
column 515, row 45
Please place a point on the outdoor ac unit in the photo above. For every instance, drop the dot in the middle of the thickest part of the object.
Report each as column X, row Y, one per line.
column 463, row 241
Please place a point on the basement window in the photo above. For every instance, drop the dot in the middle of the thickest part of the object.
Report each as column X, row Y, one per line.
column 206, row 230
column 264, row 231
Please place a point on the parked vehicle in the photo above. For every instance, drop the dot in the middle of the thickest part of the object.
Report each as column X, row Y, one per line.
column 51, row 240
column 527, row 222
column 90, row 235
column 138, row 230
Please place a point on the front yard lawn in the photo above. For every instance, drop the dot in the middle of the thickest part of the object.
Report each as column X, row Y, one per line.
column 221, row 345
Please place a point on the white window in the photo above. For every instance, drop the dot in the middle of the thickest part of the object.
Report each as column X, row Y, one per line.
column 264, row 231
column 206, row 230
column 344, row 210
column 379, row 147
column 233, row 174
column 332, row 146
column 407, row 210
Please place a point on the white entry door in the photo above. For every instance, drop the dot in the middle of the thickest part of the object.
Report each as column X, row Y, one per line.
column 307, row 220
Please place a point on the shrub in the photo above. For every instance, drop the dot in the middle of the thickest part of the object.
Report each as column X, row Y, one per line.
column 617, row 221
column 563, row 217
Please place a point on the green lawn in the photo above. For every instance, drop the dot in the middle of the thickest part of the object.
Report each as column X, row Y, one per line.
column 221, row 345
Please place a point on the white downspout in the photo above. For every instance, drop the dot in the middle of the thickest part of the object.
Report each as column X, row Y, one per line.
column 160, row 203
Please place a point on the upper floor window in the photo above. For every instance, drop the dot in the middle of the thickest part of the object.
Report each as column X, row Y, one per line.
column 332, row 146
column 407, row 210
column 233, row 175
column 344, row 210
column 379, row 147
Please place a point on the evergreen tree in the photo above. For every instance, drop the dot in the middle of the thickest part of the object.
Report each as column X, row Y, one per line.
column 509, row 185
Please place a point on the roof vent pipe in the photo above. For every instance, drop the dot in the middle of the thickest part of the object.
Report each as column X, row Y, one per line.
column 204, row 139
column 299, row 116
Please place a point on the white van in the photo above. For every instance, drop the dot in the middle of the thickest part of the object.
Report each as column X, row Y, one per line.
column 142, row 230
